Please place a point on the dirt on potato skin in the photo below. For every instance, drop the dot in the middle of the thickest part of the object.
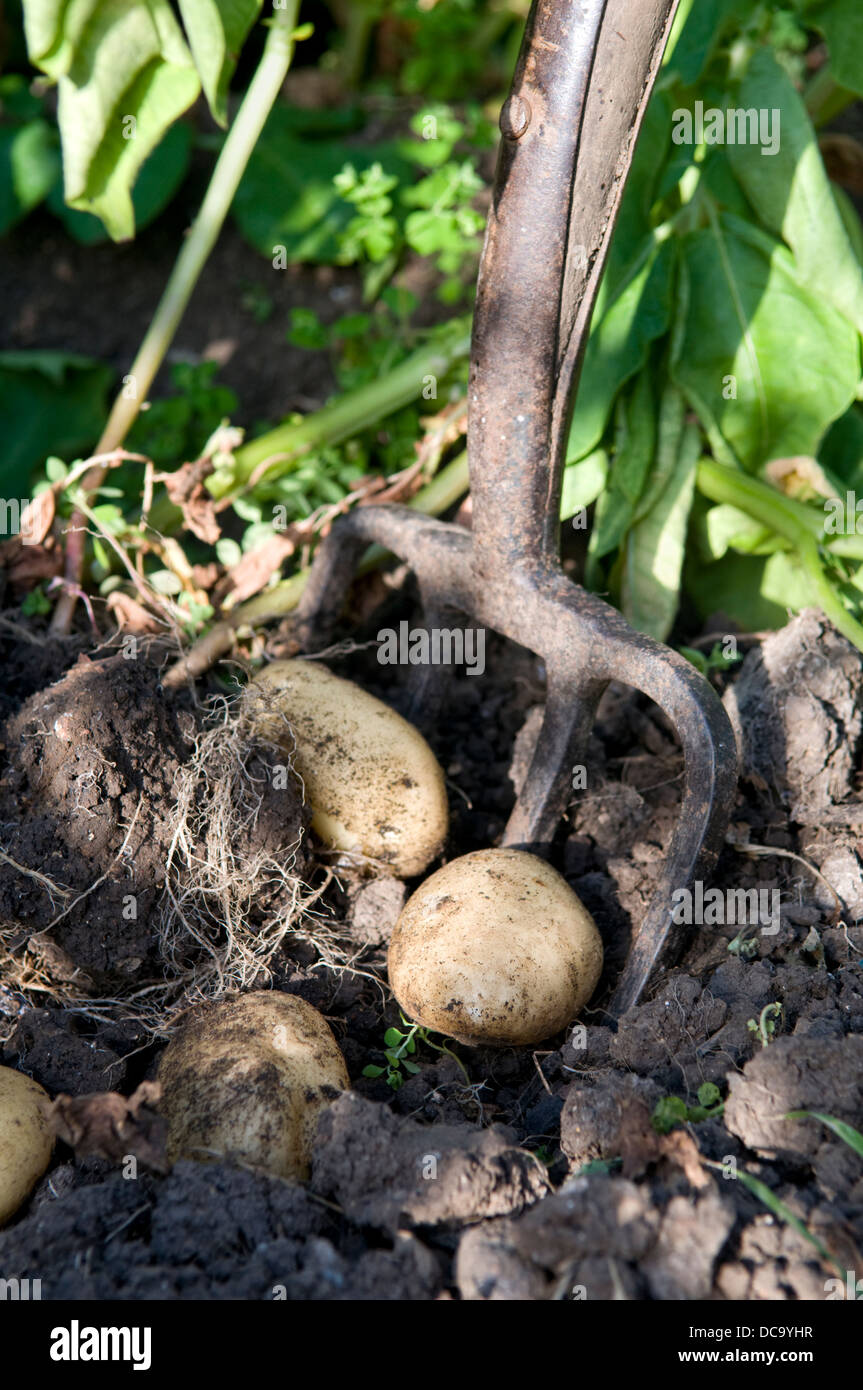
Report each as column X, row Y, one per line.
column 494, row 1222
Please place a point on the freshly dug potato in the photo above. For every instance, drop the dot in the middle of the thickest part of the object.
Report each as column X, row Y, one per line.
column 495, row 948
column 247, row 1078
column 373, row 783
column 25, row 1140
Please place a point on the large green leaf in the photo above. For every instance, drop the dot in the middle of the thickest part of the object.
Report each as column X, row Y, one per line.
column 753, row 591
column 50, row 403
column 29, row 165
column 633, row 220
column 160, row 177
column 634, row 450
column 791, row 193
column 124, row 75
column 29, row 153
column 748, row 324
column 287, row 196
column 217, row 30
column 705, row 26
column 655, row 545
column 842, row 449
column 841, row 23
column 619, row 344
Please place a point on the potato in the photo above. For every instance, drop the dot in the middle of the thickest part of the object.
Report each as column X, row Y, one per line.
column 373, row 783
column 25, row 1140
column 495, row 948
column 247, row 1078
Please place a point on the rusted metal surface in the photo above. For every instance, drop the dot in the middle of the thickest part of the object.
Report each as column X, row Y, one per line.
column 568, row 131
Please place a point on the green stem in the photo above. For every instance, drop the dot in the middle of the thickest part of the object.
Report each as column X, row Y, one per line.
column 438, row 496
column 793, row 520
column 283, row 598
column 230, row 166
column 345, row 416
column 352, row 412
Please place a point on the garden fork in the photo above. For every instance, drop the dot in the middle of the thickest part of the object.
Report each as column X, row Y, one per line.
column 569, row 126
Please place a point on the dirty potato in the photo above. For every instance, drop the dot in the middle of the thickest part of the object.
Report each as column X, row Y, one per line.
column 246, row 1079
column 25, row 1140
column 374, row 786
column 495, row 948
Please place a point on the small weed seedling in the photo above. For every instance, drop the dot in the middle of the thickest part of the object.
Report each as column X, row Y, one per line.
column 765, row 1026
column 715, row 660
column 851, row 1136
column 672, row 1110
column 399, row 1047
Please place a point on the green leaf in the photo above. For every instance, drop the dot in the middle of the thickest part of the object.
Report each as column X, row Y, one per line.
column 287, row 196
column 583, row 482
column 29, row 165
column 618, row 346
column 727, row 528
column 841, row 453
column 791, row 193
column 851, row 1136
column 217, row 30
column 747, row 324
column 654, row 548
column 708, row 1094
column 35, row 602
column 124, row 75
column 756, row 593
column 784, row 1213
column 668, row 1112
column 634, row 448
column 55, row 470
column 701, row 35
column 392, row 1037
column 228, row 552
column 51, row 403
column 161, row 175
column 411, row 1067
column 373, row 1071
column 165, row 582
column 841, row 23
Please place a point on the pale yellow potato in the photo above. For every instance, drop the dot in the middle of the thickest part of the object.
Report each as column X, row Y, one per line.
column 373, row 784
column 495, row 948
column 246, row 1079
column 25, row 1140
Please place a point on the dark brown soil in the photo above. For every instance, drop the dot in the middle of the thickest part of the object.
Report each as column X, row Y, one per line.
column 86, row 797
column 543, row 1178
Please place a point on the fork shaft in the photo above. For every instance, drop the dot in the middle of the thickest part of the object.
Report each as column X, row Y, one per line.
column 579, row 93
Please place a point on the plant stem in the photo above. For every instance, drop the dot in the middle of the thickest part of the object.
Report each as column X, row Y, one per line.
column 793, row 520
column 230, row 166
column 440, row 494
column 347, row 415
column 354, row 411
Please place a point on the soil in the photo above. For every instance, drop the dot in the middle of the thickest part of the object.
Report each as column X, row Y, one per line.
column 543, row 1177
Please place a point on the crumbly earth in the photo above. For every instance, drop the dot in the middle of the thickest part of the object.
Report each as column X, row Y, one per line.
column 87, row 792
column 540, row 1177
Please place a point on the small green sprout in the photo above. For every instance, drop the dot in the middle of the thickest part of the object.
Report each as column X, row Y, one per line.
column 398, row 1049
column 716, row 659
column 672, row 1110
column 765, row 1026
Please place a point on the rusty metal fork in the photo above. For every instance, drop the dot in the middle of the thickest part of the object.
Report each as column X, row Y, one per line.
column 569, row 126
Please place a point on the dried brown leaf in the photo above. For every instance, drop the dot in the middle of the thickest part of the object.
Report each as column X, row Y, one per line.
column 113, row 1126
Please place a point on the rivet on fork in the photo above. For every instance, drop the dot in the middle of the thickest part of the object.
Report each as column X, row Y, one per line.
column 514, row 118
